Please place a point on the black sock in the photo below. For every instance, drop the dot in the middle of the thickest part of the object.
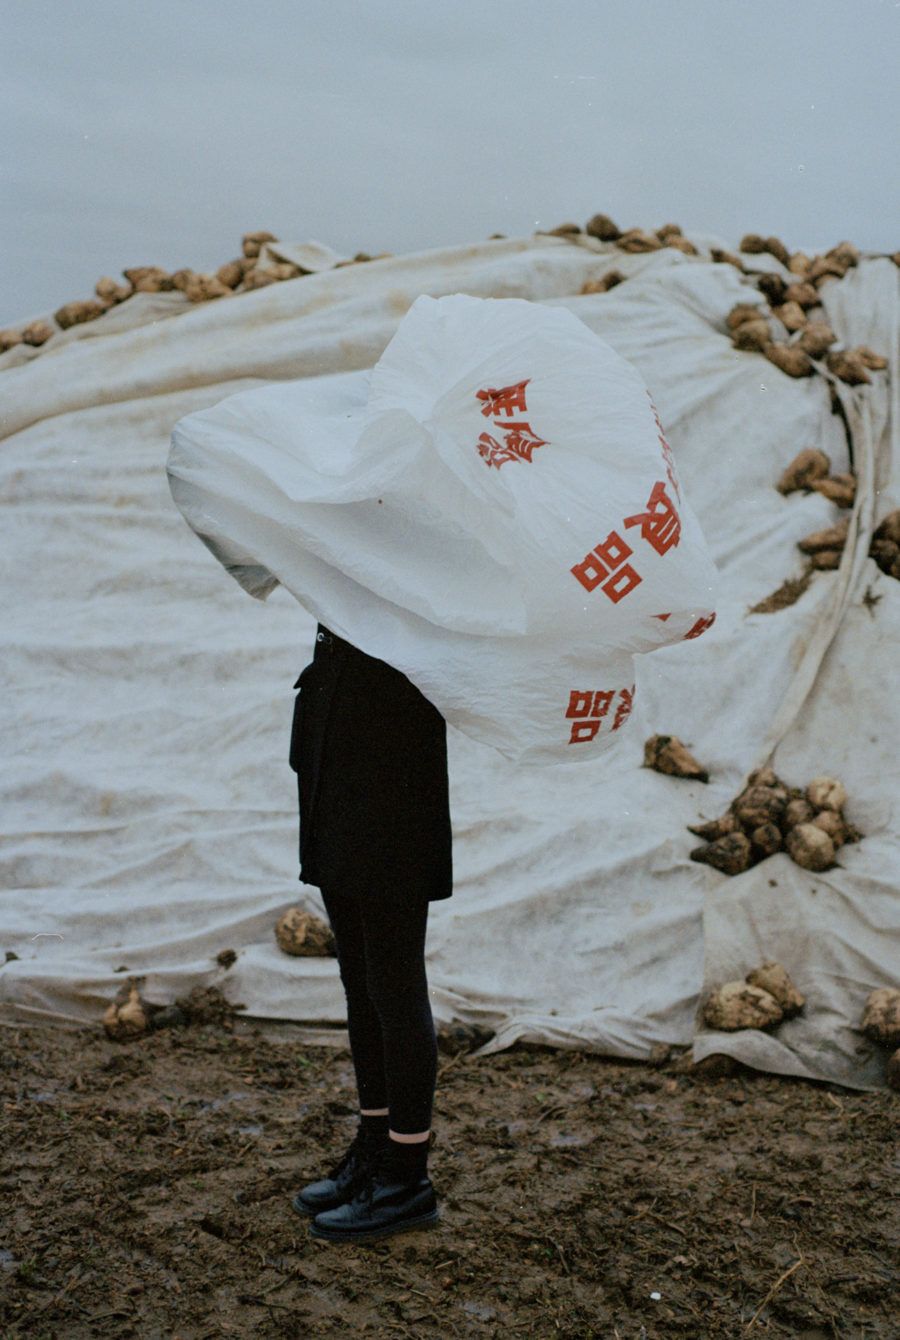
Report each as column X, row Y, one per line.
column 409, row 1158
column 375, row 1127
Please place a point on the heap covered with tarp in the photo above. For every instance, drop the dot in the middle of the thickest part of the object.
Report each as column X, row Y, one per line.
column 150, row 814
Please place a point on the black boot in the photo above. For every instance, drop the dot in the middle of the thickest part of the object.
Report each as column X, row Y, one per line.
column 344, row 1179
column 387, row 1202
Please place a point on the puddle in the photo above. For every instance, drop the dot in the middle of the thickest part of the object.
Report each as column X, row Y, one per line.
column 213, row 1104
column 481, row 1310
column 7, row 1260
column 562, row 1140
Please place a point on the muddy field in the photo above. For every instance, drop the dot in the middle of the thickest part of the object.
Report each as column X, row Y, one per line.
column 146, row 1192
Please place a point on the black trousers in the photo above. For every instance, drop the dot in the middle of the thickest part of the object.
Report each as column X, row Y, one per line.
column 381, row 954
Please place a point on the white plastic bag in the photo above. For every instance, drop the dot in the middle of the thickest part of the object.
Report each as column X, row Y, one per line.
column 493, row 509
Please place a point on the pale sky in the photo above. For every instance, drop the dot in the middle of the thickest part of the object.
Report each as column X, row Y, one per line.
column 158, row 133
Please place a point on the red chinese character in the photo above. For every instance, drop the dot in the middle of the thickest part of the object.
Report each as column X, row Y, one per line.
column 700, row 626
column 588, row 706
column 508, row 400
column 519, row 443
column 623, row 710
column 606, row 564
column 660, row 524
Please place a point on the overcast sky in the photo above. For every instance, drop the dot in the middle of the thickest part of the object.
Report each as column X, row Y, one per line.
column 159, row 131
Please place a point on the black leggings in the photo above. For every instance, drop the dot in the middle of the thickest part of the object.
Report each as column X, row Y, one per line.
column 381, row 955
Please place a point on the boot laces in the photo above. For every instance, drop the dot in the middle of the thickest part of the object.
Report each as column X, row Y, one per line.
column 379, row 1168
column 358, row 1154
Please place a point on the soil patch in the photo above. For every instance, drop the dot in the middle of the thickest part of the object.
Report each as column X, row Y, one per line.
column 146, row 1192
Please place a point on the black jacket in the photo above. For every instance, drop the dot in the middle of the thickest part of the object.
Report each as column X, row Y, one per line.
column 370, row 753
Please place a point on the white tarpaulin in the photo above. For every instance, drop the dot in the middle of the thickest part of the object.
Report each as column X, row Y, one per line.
column 149, row 814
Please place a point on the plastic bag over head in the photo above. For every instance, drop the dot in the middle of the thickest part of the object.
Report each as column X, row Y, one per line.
column 493, row 509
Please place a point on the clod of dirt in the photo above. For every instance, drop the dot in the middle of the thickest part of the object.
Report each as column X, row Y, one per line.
column 757, row 246
column 753, row 336
column 848, row 366
column 788, row 593
column 128, row 1015
column 715, row 828
column 799, row 263
column 869, row 358
column 681, row 244
column 831, row 823
column 881, row 1016
column 740, row 1005
column 37, row 333
column 10, row 955
column 888, row 527
column 601, row 226
column 892, row 1073
column 458, row 1037
column 825, row 267
column 768, row 816
column 207, row 1005
column 200, row 287
column 826, row 560
column 772, row 977
column 774, row 287
column 232, row 272
column 667, row 231
column 807, row 466
column 839, row 489
column 792, row 315
column 721, row 257
column 810, row 847
column 766, row 840
column 259, row 279
column 798, row 811
column 744, row 311
column 790, row 359
column 74, row 313
column 564, row 230
column 802, row 293
column 760, row 805
column 820, row 541
column 845, row 253
column 109, row 290
column 226, row 957
column 817, row 339
column 887, row 555
column 730, row 854
column 603, row 285
column 303, row 934
column 149, row 279
column 776, row 248
column 826, row 793
column 251, row 243
column 636, row 240
column 666, row 754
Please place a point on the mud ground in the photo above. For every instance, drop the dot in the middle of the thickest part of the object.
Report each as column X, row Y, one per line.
column 145, row 1191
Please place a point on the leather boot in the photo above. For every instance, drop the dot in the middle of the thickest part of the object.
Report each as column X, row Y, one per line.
column 382, row 1205
column 344, row 1179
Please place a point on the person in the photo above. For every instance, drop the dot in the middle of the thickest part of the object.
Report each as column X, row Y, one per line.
column 370, row 753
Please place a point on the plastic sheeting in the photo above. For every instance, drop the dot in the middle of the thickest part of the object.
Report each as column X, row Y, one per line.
column 149, row 814
column 366, row 495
